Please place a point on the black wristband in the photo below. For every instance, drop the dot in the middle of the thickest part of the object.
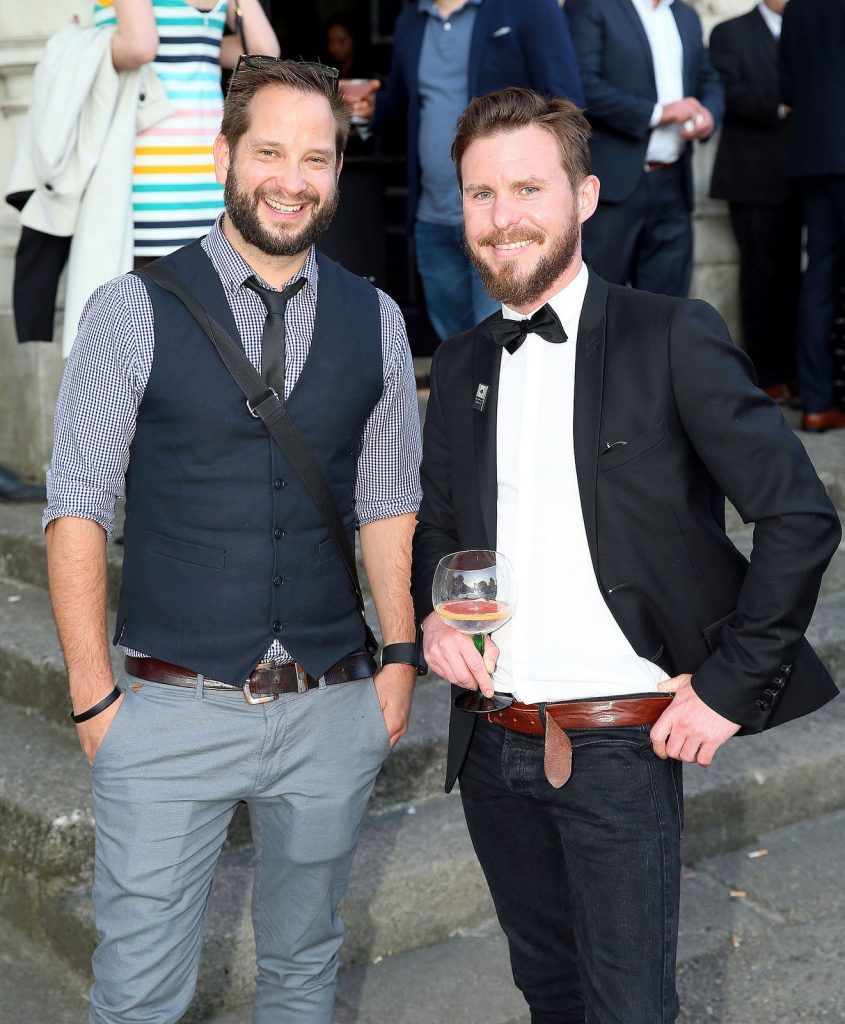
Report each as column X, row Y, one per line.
column 403, row 654
column 106, row 702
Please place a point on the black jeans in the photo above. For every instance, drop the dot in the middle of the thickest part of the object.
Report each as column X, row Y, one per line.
column 586, row 878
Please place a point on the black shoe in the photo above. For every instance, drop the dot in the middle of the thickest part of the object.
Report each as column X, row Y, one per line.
column 12, row 488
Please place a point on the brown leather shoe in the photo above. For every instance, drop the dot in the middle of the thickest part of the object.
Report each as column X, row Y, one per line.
column 819, row 422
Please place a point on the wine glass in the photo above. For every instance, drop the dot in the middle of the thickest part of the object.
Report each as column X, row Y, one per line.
column 475, row 592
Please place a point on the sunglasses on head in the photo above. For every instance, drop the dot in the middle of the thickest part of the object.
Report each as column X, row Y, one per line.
column 256, row 62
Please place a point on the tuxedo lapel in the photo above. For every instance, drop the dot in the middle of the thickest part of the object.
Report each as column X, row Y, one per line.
column 488, row 358
column 589, row 384
column 688, row 31
column 626, row 8
column 760, row 34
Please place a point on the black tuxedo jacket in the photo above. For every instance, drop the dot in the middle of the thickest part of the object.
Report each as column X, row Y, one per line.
column 617, row 72
column 750, row 165
column 663, row 375
column 812, row 65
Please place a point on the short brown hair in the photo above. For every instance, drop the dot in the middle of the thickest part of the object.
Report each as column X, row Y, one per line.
column 510, row 109
column 297, row 75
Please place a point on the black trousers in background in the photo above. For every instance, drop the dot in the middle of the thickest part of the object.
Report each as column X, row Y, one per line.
column 645, row 241
column 585, row 878
column 824, row 214
column 769, row 241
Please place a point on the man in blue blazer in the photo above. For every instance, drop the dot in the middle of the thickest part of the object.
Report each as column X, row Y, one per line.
column 812, row 45
column 650, row 91
column 445, row 53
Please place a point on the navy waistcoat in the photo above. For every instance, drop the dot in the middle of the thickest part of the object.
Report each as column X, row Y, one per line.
column 224, row 550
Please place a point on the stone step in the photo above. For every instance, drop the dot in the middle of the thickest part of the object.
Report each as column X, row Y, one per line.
column 22, row 553
column 415, row 879
column 774, row 955
column 32, row 675
column 788, row 929
column 45, row 817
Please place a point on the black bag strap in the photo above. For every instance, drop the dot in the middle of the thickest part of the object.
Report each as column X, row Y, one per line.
column 263, row 403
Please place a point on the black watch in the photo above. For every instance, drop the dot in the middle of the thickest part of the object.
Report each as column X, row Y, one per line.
column 405, row 654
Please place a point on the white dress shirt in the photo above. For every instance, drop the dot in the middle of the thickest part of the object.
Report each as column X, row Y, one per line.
column 667, row 54
column 562, row 642
column 771, row 18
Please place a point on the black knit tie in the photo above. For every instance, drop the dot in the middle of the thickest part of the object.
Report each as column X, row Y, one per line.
column 273, row 334
column 510, row 334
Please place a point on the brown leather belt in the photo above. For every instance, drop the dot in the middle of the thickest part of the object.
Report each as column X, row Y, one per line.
column 656, row 165
column 576, row 714
column 265, row 682
column 583, row 714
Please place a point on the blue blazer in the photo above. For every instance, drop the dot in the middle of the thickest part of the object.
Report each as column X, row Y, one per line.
column 617, row 70
column 812, row 57
column 536, row 53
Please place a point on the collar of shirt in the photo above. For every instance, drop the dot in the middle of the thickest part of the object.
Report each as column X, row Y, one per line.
column 771, row 18
column 233, row 270
column 649, row 8
column 566, row 303
column 430, row 7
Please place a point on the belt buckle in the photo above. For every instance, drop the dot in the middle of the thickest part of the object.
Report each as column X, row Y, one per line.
column 301, row 678
column 251, row 699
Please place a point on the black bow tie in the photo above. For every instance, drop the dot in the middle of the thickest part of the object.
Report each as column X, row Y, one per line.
column 510, row 334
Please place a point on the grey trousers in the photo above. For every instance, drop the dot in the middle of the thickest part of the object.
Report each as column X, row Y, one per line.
column 165, row 784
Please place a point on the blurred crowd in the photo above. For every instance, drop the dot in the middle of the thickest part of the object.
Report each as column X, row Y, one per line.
column 117, row 168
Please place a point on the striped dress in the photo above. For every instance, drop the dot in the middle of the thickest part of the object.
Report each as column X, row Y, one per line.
column 175, row 197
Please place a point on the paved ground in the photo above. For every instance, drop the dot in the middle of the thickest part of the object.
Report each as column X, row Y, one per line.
column 775, row 955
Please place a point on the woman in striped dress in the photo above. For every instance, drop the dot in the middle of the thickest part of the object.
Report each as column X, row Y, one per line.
column 175, row 196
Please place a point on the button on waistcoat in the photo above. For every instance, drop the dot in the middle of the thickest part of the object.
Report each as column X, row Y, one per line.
column 224, row 550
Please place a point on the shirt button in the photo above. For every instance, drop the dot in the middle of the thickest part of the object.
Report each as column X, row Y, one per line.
column 447, row 26
column 277, row 581
column 277, row 626
column 278, row 534
column 278, row 484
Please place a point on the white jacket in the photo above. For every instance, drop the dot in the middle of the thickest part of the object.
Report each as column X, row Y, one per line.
column 76, row 154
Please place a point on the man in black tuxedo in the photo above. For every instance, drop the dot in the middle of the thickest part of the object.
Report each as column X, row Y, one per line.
column 813, row 83
column 750, row 172
column 590, row 433
column 651, row 91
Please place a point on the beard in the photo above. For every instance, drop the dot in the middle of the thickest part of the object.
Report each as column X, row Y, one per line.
column 242, row 210
column 505, row 284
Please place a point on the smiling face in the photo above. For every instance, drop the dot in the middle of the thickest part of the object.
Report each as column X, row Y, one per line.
column 280, row 181
column 522, row 215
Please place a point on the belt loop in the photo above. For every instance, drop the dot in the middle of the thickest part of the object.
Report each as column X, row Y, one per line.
column 200, row 690
column 541, row 711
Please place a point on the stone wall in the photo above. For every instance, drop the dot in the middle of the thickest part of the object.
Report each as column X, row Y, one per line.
column 29, row 374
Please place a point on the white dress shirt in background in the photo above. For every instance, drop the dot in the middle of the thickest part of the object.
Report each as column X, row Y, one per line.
column 771, row 18
column 562, row 642
column 667, row 53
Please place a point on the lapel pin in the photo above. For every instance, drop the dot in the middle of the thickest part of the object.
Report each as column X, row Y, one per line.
column 481, row 397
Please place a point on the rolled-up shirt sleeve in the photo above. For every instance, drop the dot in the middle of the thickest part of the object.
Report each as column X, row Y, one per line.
column 98, row 401
column 388, row 477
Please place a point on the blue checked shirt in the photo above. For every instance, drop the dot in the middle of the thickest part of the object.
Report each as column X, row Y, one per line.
column 108, row 369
